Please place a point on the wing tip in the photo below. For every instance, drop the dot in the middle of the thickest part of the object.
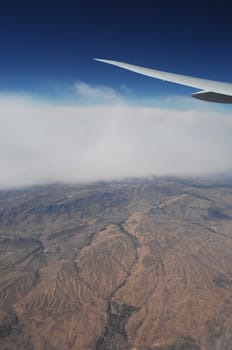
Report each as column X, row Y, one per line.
column 100, row 60
column 103, row 60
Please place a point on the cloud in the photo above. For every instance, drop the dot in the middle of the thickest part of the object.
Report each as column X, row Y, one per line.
column 44, row 143
column 96, row 93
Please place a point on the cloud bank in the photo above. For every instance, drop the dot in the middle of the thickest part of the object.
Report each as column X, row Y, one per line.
column 43, row 143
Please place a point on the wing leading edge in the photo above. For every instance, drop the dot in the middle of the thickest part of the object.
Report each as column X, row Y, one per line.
column 212, row 91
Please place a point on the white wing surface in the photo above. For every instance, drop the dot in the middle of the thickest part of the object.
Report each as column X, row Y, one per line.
column 212, row 91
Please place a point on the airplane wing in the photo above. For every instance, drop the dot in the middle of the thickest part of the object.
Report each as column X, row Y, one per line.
column 212, row 91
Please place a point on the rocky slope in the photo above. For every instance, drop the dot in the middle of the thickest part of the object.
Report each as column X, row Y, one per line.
column 140, row 264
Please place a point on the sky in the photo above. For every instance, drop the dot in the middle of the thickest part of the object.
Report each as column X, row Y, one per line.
column 65, row 117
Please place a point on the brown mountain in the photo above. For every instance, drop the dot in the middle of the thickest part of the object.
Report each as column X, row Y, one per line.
column 140, row 264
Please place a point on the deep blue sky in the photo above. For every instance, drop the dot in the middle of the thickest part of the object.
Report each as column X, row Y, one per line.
column 46, row 46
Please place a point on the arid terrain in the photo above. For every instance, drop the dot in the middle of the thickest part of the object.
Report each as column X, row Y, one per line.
column 137, row 264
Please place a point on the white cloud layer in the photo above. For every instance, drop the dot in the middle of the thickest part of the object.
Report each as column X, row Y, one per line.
column 41, row 143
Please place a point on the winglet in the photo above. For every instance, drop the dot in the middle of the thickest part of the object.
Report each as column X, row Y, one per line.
column 103, row 60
